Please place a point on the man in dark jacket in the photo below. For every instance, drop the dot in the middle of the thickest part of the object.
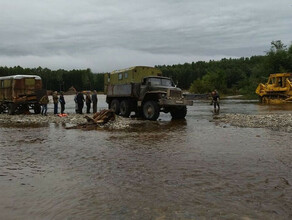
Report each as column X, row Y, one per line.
column 62, row 102
column 94, row 101
column 88, row 103
column 80, row 102
column 55, row 100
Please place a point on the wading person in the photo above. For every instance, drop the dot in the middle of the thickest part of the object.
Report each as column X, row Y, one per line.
column 44, row 103
column 88, row 103
column 215, row 100
column 55, row 100
column 80, row 102
column 62, row 102
column 94, row 101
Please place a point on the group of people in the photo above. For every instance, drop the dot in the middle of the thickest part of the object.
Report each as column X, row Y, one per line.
column 79, row 102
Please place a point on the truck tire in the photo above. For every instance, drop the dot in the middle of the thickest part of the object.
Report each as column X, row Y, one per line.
column 11, row 108
column 179, row 112
column 2, row 108
column 115, row 106
column 37, row 108
column 125, row 108
column 151, row 110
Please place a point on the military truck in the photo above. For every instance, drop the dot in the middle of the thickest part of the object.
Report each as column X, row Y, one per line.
column 146, row 92
column 277, row 90
column 19, row 93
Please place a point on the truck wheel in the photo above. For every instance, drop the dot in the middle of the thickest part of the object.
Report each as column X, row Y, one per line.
column 22, row 108
column 151, row 110
column 1, row 109
column 178, row 112
column 125, row 108
column 37, row 109
column 11, row 108
column 115, row 106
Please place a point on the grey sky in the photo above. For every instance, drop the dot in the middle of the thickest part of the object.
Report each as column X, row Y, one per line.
column 113, row 34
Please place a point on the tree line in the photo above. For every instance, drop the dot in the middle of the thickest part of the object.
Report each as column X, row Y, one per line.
column 231, row 76
column 60, row 80
column 228, row 76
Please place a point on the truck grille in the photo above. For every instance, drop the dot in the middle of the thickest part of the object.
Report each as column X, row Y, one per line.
column 175, row 94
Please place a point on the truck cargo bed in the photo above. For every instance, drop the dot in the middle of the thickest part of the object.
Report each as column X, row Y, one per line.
column 124, row 90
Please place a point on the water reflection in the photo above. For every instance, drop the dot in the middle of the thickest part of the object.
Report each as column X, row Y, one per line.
column 279, row 108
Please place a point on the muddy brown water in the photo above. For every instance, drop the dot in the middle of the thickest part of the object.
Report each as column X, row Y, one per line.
column 190, row 169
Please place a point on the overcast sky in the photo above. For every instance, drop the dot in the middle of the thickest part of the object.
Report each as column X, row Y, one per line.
column 105, row 35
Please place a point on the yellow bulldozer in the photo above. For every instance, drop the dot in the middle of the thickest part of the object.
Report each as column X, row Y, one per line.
column 277, row 90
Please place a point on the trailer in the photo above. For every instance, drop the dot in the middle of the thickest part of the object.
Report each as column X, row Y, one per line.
column 20, row 93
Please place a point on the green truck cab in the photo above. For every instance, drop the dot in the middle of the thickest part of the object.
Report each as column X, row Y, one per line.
column 19, row 93
column 145, row 91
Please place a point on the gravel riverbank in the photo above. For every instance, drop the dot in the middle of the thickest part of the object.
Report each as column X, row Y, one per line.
column 40, row 119
column 279, row 122
column 68, row 121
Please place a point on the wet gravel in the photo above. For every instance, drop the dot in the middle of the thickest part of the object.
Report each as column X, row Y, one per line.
column 68, row 121
column 38, row 119
column 279, row 122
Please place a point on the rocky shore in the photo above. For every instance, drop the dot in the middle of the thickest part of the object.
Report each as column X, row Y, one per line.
column 279, row 122
column 68, row 121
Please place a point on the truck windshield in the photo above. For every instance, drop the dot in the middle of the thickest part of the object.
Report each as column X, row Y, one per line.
column 160, row 82
column 166, row 82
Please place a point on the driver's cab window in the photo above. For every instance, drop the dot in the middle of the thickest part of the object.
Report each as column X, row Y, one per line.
column 166, row 82
column 144, row 81
column 154, row 81
column 280, row 82
column 272, row 81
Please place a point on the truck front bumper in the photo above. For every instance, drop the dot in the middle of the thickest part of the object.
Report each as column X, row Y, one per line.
column 177, row 102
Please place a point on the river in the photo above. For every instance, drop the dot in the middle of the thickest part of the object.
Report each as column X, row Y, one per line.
column 190, row 169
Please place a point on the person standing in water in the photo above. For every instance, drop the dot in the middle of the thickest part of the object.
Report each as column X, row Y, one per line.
column 215, row 100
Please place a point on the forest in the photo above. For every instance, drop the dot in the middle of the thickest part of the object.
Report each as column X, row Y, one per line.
column 60, row 80
column 231, row 76
column 228, row 76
